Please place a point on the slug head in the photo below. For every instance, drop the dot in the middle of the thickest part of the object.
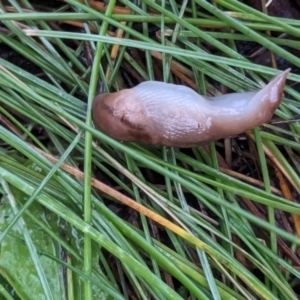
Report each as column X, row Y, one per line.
column 122, row 116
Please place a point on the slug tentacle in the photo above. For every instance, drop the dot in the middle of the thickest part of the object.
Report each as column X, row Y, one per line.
column 174, row 115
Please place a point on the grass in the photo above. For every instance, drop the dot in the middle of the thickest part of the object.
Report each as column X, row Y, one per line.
column 196, row 227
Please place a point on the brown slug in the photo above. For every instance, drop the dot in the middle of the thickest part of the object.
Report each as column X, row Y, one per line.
column 174, row 115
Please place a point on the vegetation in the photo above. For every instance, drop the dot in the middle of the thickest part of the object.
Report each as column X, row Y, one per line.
column 156, row 223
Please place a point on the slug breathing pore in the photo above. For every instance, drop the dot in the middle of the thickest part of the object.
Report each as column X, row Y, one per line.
column 174, row 115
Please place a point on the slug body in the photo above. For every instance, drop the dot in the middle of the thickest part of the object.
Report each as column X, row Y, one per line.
column 175, row 115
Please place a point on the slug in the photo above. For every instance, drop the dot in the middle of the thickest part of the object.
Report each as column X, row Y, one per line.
column 174, row 115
